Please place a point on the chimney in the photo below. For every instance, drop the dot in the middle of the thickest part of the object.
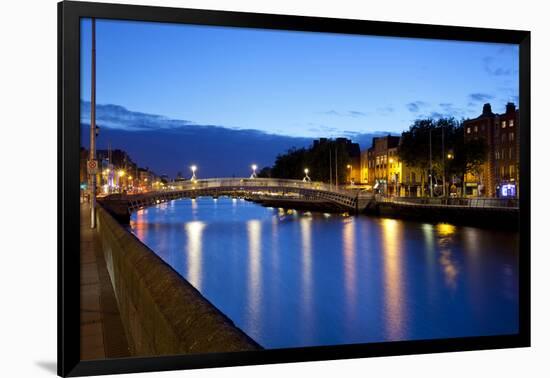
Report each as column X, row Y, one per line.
column 510, row 108
column 487, row 109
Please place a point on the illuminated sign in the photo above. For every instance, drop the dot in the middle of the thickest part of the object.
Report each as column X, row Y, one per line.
column 508, row 190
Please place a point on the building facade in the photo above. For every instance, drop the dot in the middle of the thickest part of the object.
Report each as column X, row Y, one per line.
column 386, row 173
column 499, row 174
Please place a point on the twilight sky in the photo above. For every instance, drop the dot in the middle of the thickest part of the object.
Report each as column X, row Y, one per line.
column 294, row 84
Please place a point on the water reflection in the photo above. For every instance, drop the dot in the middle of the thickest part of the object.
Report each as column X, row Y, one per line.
column 445, row 233
column 194, row 232
column 297, row 279
column 141, row 221
column 254, row 231
column 307, row 284
column 393, row 278
column 350, row 268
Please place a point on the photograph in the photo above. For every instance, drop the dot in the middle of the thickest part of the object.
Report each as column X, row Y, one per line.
column 246, row 189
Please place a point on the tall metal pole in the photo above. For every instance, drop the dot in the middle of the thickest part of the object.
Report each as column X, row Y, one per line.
column 92, row 132
column 336, row 165
column 431, row 167
column 330, row 165
column 443, row 157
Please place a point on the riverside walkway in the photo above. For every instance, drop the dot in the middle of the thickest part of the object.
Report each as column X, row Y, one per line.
column 101, row 331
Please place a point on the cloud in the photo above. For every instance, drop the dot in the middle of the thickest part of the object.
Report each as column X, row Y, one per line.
column 480, row 97
column 414, row 107
column 349, row 113
column 492, row 65
column 385, row 111
column 437, row 115
column 332, row 112
column 118, row 117
column 169, row 146
column 356, row 113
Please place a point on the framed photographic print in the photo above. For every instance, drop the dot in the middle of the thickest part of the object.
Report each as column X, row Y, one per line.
column 239, row 188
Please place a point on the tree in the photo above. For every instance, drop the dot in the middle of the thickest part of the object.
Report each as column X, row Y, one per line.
column 423, row 135
column 265, row 172
column 317, row 158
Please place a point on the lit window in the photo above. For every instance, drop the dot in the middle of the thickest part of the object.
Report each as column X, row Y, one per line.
column 475, row 129
column 511, row 123
column 503, row 124
column 497, row 155
column 468, row 130
column 512, row 171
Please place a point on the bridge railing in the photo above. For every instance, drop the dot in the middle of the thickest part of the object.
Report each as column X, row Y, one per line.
column 478, row 202
column 259, row 183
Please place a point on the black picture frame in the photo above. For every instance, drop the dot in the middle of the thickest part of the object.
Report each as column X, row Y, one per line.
column 69, row 14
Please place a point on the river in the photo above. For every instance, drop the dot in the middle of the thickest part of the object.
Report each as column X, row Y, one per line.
column 294, row 279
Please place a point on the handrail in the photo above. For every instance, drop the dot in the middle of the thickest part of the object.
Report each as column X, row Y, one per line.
column 477, row 202
column 260, row 182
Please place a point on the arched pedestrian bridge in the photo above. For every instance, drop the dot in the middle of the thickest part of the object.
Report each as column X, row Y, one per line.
column 301, row 192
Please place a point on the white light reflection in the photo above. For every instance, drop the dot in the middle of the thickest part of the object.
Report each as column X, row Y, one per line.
column 307, row 284
column 194, row 232
column 350, row 268
column 254, row 230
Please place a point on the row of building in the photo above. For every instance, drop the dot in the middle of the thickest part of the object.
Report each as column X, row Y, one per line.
column 381, row 168
column 117, row 173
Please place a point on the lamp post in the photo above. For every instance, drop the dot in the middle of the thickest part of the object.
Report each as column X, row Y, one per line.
column 450, row 156
column 431, row 167
column 390, row 161
column 350, row 173
column 254, row 167
column 92, row 173
column 121, row 174
column 306, row 177
column 193, row 170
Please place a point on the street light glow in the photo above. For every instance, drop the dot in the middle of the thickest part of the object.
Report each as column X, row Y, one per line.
column 193, row 168
column 306, row 171
column 121, row 173
column 254, row 167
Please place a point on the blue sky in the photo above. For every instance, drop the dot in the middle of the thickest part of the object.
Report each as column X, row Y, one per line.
column 298, row 84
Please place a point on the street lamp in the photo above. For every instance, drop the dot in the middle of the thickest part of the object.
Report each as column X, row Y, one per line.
column 193, row 169
column 254, row 167
column 350, row 172
column 120, row 174
column 306, row 178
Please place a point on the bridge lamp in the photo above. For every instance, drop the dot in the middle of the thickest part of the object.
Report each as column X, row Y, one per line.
column 121, row 173
column 254, row 167
column 193, row 169
column 306, row 178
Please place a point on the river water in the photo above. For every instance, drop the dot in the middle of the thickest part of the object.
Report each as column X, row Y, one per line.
column 293, row 279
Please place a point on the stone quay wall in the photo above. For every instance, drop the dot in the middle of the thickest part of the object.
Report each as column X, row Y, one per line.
column 162, row 313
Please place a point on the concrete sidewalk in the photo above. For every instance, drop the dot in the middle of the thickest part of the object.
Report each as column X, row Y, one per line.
column 101, row 330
